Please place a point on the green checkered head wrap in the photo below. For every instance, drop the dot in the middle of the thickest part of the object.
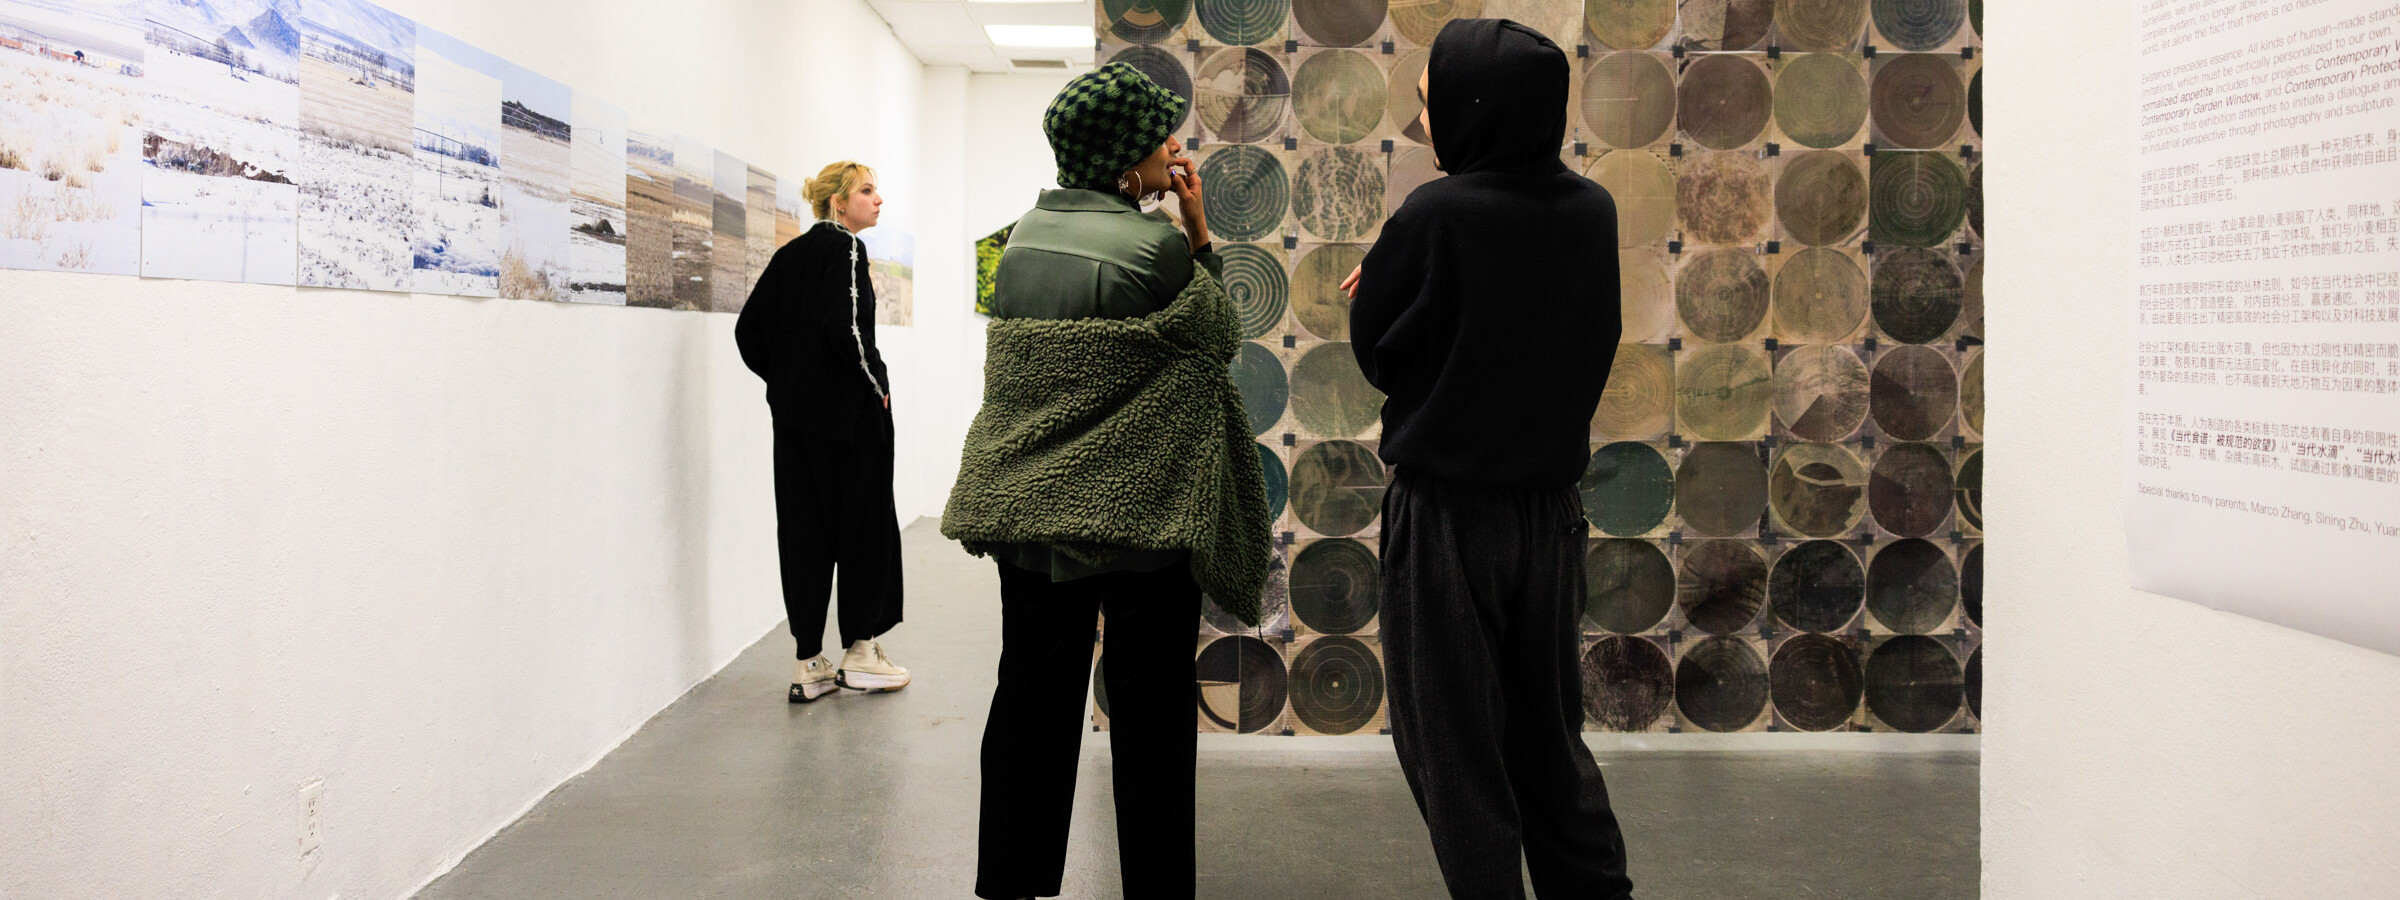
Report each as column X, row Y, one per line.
column 1106, row 121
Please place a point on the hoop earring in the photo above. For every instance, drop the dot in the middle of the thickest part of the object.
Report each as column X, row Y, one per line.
column 1133, row 190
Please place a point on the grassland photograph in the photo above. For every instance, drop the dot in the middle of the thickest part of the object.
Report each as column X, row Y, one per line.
column 71, row 102
column 729, row 229
column 649, row 219
column 695, row 220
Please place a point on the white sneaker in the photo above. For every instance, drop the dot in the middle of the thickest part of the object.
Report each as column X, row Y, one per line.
column 812, row 678
column 865, row 668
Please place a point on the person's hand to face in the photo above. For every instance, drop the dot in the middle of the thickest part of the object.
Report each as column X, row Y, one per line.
column 1425, row 124
column 1167, row 169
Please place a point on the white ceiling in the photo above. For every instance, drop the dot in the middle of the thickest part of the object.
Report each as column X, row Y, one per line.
column 950, row 32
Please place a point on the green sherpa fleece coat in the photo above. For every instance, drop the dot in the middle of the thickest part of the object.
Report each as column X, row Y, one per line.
column 1098, row 434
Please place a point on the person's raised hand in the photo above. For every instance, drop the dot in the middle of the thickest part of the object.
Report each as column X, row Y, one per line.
column 1350, row 282
column 1184, row 177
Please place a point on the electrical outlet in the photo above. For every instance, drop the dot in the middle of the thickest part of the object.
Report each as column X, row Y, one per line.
column 312, row 819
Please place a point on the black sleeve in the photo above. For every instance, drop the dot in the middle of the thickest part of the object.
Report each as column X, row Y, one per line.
column 849, row 342
column 762, row 317
column 1394, row 299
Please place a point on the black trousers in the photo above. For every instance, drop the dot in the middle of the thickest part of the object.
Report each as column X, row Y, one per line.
column 1033, row 740
column 1482, row 586
column 833, row 506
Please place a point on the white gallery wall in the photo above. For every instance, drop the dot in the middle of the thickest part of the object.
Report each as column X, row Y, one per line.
column 2136, row 745
column 417, row 558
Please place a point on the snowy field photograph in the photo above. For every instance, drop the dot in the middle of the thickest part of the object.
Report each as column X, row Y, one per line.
column 71, row 99
column 222, row 140
column 358, row 110
column 454, row 236
column 649, row 219
column 596, row 233
column 695, row 219
column 536, row 150
column 729, row 235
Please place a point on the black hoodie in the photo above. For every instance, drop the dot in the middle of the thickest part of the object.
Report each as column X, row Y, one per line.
column 1488, row 310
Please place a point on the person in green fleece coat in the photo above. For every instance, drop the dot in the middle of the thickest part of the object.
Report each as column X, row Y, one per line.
column 1109, row 470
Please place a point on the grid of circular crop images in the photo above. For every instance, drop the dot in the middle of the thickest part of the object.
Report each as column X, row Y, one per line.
column 1785, row 487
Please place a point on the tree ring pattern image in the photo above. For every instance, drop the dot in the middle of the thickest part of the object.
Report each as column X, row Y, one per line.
column 1339, row 23
column 1628, row 585
column 1970, row 491
column 1274, row 601
column 1820, row 297
column 1339, row 96
column 1629, row 99
column 1817, row 682
column 1145, row 21
column 1724, row 101
column 1970, row 395
column 1247, row 193
column 1911, row 587
column 1970, row 584
column 1914, row 684
column 1975, row 200
column 1336, row 586
column 1242, row 683
column 1816, row 489
column 1639, row 402
column 1412, row 168
column 1330, row 396
column 1820, row 100
column 1559, row 20
column 1721, row 295
column 1627, row 683
column 1317, row 297
column 1721, row 489
column 1242, row 95
column 1721, row 684
column 1400, row 104
column 1337, row 487
column 1726, row 24
column 1917, row 295
column 1338, row 194
column 1970, row 309
column 1420, row 21
column 1242, row 22
column 1723, row 585
column 1820, row 26
column 1916, row 392
column 1919, row 24
column 1916, row 198
column 1821, row 392
column 1279, row 484
column 1817, row 586
column 1919, row 100
column 1821, row 198
column 1646, row 193
column 1646, row 295
column 1724, row 197
column 1629, row 24
column 1264, row 388
column 1974, row 682
column 1337, row 685
column 1723, row 392
column 1910, row 490
column 1255, row 281
column 1163, row 68
column 1628, row 489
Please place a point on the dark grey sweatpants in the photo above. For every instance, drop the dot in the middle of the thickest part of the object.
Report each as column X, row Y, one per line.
column 1482, row 588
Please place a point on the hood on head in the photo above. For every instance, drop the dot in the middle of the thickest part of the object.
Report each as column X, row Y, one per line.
column 1498, row 97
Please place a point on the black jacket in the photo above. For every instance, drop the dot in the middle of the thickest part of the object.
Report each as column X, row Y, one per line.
column 1488, row 310
column 796, row 333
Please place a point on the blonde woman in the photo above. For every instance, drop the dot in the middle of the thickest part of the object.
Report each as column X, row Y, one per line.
column 809, row 332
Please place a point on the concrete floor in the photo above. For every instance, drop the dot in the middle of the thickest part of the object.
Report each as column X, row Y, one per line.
column 732, row 792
